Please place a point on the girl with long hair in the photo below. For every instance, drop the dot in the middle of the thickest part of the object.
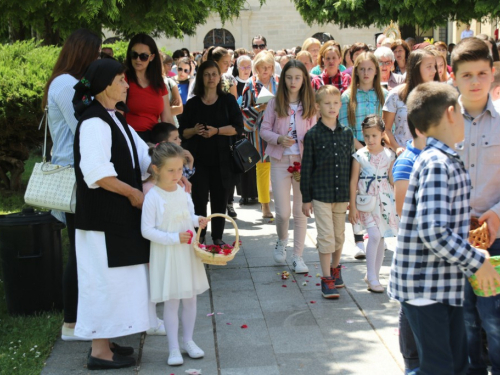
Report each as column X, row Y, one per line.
column 421, row 68
column 287, row 119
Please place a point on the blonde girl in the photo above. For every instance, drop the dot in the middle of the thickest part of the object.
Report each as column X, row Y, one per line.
column 286, row 120
column 371, row 175
column 176, row 274
column 364, row 96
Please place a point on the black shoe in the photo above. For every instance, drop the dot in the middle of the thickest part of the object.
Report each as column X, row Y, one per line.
column 122, row 350
column 243, row 202
column 230, row 211
column 103, row 364
column 219, row 242
column 253, row 201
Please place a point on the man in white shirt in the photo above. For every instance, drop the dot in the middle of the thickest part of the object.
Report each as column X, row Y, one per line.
column 467, row 33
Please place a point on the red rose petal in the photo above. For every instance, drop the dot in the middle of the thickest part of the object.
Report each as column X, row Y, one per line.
column 318, row 284
column 313, row 301
column 309, row 276
column 293, row 281
column 244, row 326
column 283, row 286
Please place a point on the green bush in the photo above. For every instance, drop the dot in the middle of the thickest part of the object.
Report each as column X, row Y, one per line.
column 25, row 68
column 119, row 49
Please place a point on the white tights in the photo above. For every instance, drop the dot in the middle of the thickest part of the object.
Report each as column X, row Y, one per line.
column 171, row 320
column 374, row 255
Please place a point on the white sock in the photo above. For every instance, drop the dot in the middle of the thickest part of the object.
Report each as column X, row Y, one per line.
column 188, row 318
column 171, row 321
column 360, row 245
column 373, row 258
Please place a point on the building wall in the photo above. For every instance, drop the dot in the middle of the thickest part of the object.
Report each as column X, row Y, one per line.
column 278, row 21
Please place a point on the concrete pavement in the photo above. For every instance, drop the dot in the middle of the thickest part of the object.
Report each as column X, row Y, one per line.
column 291, row 330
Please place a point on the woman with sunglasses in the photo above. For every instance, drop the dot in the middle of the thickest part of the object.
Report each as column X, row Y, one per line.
column 147, row 97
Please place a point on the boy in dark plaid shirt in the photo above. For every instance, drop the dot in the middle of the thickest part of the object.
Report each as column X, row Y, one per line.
column 324, row 184
column 432, row 254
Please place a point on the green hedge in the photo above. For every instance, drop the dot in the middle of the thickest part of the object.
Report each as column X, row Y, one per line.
column 25, row 68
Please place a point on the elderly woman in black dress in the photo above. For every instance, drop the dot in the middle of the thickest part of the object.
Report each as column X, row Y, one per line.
column 209, row 121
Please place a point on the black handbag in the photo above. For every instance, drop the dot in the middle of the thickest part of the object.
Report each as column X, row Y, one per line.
column 245, row 155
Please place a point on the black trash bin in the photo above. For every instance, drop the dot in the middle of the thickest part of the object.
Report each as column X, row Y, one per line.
column 31, row 260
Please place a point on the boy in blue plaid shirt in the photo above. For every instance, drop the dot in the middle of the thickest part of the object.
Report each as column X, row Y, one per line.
column 432, row 254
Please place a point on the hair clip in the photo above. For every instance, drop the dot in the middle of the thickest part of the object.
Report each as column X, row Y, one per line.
column 156, row 145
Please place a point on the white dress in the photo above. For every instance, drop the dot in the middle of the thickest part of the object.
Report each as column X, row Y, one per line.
column 175, row 271
column 112, row 302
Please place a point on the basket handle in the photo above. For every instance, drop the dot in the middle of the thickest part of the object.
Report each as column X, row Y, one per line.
column 227, row 218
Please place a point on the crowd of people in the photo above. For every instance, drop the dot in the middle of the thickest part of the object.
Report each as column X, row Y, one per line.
column 151, row 142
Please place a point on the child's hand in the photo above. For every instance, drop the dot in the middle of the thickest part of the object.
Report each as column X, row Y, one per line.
column 353, row 214
column 203, row 222
column 307, row 209
column 488, row 278
column 493, row 222
column 184, row 237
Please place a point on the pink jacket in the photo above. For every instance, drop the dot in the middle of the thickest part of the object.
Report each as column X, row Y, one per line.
column 273, row 126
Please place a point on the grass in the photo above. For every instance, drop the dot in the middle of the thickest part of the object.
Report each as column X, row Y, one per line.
column 26, row 341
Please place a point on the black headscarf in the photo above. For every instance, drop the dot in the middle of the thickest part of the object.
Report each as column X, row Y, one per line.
column 99, row 75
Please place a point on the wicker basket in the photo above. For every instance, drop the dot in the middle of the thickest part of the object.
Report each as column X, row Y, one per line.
column 495, row 262
column 217, row 259
column 479, row 235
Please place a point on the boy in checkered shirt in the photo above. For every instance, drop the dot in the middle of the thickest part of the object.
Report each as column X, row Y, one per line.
column 433, row 255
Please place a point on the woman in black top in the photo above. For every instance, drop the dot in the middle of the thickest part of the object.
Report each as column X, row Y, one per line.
column 210, row 118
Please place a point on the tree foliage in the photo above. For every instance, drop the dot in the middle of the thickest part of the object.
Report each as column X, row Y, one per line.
column 365, row 13
column 53, row 20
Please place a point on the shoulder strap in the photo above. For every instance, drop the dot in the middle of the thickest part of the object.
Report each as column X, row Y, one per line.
column 46, row 117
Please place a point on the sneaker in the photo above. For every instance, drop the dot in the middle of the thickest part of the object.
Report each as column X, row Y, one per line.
column 337, row 275
column 159, row 330
column 328, row 288
column 175, row 358
column 68, row 334
column 230, row 211
column 298, row 265
column 193, row 350
column 280, row 251
column 361, row 251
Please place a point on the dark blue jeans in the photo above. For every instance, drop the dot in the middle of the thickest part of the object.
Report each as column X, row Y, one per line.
column 483, row 312
column 439, row 333
column 407, row 344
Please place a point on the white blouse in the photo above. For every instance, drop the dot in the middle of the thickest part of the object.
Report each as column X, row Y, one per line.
column 95, row 150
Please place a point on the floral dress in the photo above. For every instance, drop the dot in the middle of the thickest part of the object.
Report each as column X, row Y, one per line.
column 374, row 180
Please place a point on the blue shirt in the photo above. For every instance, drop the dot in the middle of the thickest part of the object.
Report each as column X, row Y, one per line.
column 183, row 90
column 404, row 163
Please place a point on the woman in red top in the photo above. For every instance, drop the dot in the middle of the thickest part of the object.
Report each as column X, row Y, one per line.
column 147, row 98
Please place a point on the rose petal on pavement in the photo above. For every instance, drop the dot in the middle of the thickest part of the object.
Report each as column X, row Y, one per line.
column 244, row 326
column 318, row 284
column 211, row 314
column 313, row 301
column 283, row 286
column 193, row 372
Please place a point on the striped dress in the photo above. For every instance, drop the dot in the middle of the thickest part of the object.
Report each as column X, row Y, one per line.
column 252, row 119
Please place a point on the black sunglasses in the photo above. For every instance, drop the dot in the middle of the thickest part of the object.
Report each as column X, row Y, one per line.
column 141, row 56
column 185, row 70
column 259, row 46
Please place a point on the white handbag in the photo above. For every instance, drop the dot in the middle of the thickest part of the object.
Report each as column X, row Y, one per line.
column 51, row 186
column 365, row 202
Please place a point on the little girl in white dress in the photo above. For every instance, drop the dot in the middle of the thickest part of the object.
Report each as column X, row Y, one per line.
column 372, row 175
column 176, row 274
